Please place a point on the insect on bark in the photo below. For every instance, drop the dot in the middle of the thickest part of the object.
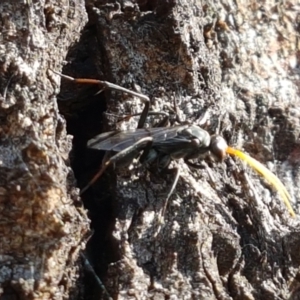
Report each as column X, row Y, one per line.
column 158, row 146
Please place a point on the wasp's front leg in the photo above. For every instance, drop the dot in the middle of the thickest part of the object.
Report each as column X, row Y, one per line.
column 175, row 171
column 160, row 221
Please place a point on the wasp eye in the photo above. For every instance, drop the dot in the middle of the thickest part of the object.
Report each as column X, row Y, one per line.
column 218, row 147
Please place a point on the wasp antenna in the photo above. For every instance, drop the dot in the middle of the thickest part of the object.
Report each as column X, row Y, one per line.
column 63, row 76
column 267, row 174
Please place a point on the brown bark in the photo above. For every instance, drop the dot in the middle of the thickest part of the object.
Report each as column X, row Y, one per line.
column 226, row 234
column 43, row 224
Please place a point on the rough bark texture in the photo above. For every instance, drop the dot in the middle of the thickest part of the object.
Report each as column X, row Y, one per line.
column 43, row 224
column 225, row 234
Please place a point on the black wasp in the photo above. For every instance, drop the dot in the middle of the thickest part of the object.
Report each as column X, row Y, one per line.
column 157, row 146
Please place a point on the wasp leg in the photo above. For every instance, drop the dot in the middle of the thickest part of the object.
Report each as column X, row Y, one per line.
column 175, row 181
column 136, row 147
column 205, row 167
column 144, row 115
column 7, row 85
column 144, row 158
column 162, row 123
column 164, row 208
column 195, row 166
column 108, row 85
column 104, row 85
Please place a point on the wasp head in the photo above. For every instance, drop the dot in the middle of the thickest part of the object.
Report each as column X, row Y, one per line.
column 218, row 147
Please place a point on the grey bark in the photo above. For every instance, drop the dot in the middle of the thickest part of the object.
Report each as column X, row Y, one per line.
column 226, row 234
column 229, row 237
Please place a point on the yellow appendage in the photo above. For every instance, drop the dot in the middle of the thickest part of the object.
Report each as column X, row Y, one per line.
column 268, row 175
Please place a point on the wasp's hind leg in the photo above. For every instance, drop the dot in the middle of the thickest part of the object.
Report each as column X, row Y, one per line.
column 105, row 85
column 119, row 157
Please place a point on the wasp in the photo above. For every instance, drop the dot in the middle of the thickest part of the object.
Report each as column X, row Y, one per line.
column 157, row 147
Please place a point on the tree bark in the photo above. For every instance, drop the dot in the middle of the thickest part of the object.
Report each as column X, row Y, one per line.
column 43, row 224
column 225, row 234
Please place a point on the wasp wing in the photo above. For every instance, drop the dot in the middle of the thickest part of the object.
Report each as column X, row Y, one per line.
column 119, row 140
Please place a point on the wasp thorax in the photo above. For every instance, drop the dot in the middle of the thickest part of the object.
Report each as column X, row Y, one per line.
column 218, row 147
